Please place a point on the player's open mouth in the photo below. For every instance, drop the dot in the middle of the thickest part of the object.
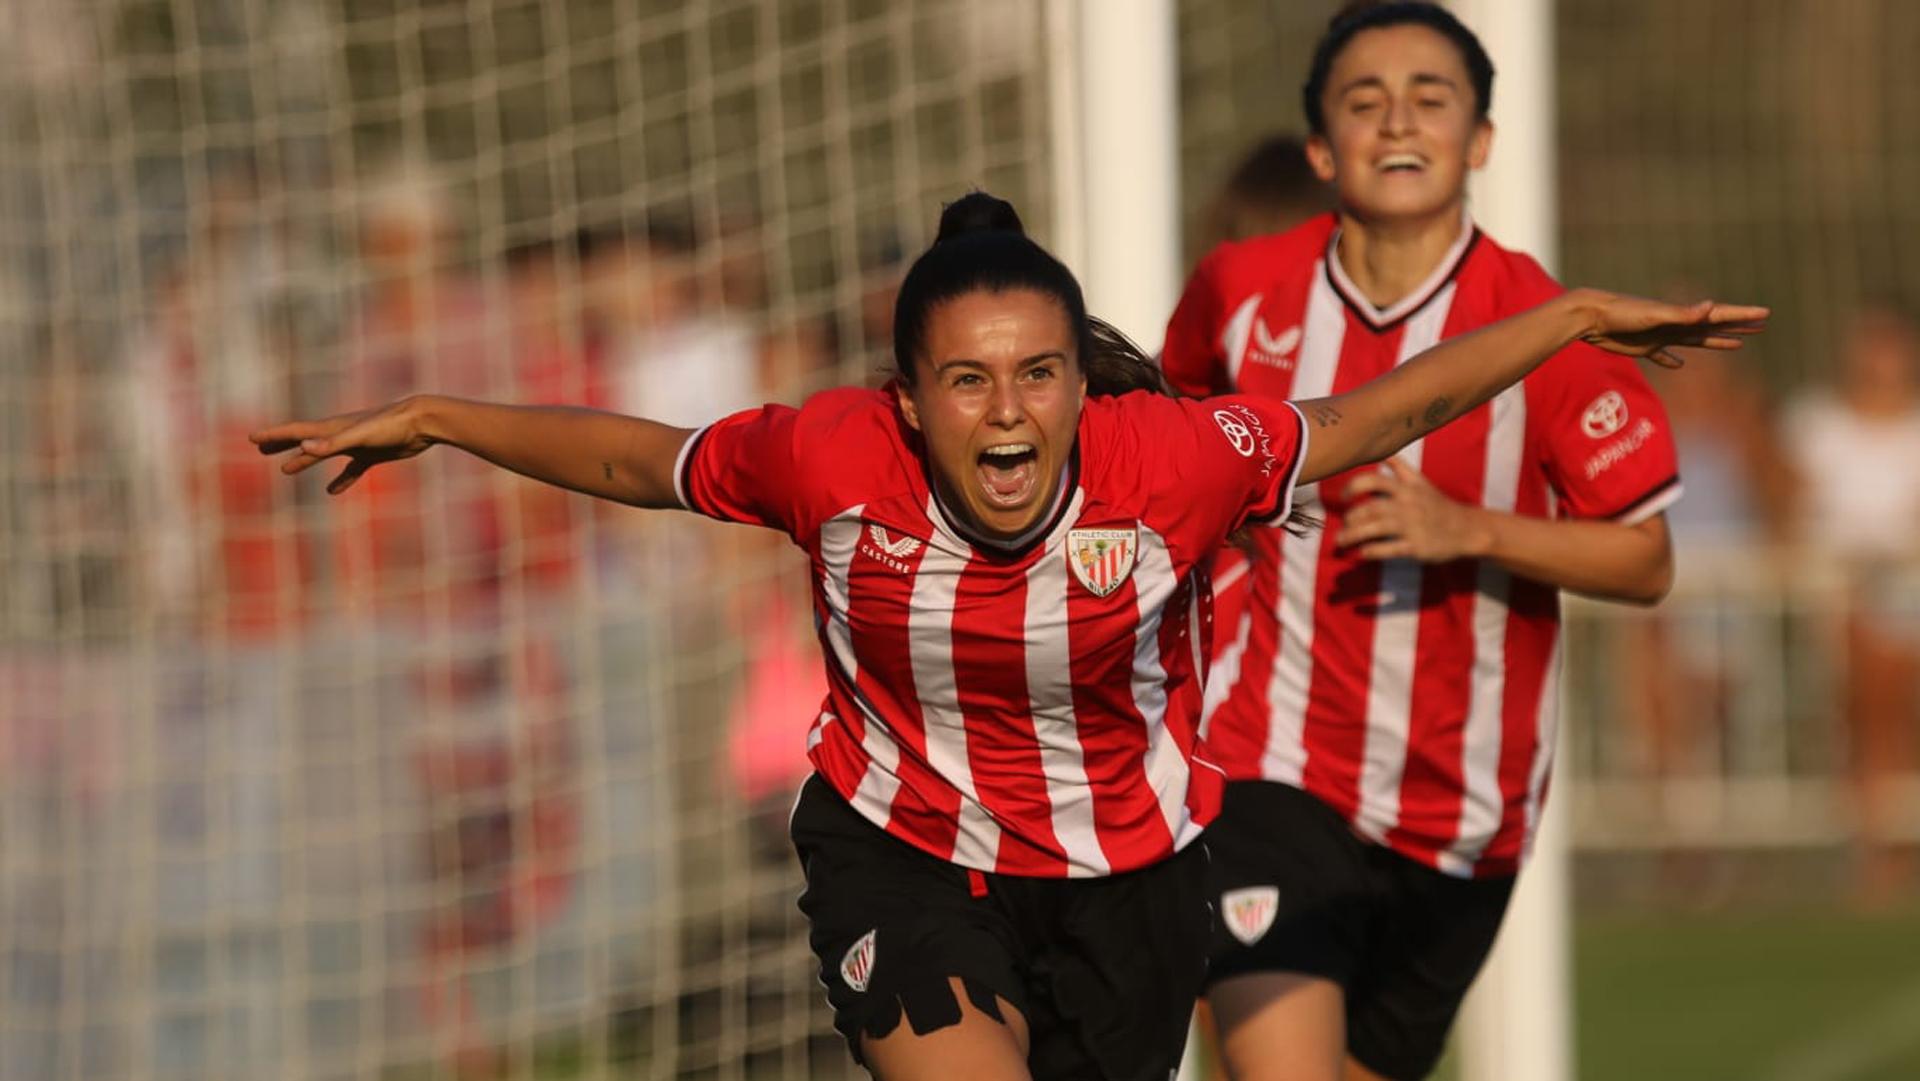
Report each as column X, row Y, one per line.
column 1401, row 163
column 1007, row 473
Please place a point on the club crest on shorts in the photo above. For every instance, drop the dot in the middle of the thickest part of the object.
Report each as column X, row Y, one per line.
column 1102, row 558
column 857, row 966
column 1249, row 912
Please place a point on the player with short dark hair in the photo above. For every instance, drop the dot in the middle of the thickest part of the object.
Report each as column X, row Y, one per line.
column 1386, row 707
column 1006, row 547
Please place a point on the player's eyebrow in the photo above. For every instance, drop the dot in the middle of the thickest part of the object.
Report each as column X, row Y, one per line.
column 1375, row 82
column 1028, row 362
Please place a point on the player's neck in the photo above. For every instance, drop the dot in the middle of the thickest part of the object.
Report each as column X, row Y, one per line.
column 1387, row 260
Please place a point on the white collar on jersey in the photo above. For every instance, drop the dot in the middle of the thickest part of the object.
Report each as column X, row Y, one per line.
column 1413, row 301
column 1045, row 522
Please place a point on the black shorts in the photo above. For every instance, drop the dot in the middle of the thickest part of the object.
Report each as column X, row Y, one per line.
column 1298, row 891
column 1105, row 970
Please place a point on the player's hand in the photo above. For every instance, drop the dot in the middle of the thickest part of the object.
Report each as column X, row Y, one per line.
column 1638, row 327
column 1398, row 514
column 386, row 433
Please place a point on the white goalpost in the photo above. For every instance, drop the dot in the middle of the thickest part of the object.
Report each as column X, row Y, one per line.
column 1517, row 1022
column 1116, row 138
column 1116, row 143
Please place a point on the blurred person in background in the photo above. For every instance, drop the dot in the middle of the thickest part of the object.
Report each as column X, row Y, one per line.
column 1270, row 190
column 556, row 360
column 221, row 553
column 768, row 610
column 1386, row 707
column 428, row 562
column 1857, row 452
column 421, row 321
column 225, row 568
column 673, row 350
column 1691, row 658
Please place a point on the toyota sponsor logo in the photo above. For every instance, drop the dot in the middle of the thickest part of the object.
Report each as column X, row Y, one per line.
column 1236, row 430
column 1605, row 415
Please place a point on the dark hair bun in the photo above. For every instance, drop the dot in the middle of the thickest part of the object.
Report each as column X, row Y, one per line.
column 978, row 212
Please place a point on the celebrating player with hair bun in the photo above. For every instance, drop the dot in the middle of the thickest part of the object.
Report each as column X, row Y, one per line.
column 1006, row 547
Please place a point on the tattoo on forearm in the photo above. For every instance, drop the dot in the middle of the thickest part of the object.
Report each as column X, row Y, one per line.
column 1325, row 416
column 1437, row 411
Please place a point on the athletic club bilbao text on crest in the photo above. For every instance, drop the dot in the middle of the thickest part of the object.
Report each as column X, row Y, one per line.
column 1102, row 558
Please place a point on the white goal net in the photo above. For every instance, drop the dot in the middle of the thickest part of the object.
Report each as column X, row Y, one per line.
column 450, row 776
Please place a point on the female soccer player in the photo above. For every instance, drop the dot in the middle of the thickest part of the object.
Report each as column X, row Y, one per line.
column 999, row 839
column 1386, row 706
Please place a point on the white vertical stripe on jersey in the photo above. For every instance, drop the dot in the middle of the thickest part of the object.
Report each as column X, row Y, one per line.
column 1226, row 671
column 839, row 539
column 1323, row 335
column 1238, row 332
column 1166, row 769
column 1396, row 632
column 1480, row 802
column 1050, row 680
column 1548, row 732
column 930, row 629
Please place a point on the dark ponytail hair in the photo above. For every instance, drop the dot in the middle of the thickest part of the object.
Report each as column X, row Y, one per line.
column 982, row 245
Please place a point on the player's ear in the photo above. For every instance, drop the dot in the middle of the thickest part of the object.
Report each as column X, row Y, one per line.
column 1480, row 145
column 1320, row 157
column 904, row 395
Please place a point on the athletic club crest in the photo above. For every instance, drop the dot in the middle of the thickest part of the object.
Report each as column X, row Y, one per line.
column 1101, row 558
column 1249, row 912
column 857, row 966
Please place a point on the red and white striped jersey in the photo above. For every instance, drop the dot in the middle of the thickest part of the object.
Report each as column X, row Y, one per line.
column 1418, row 700
column 1030, row 711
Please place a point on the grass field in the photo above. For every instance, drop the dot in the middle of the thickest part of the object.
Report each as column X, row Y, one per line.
column 1787, row 995
column 1791, row 996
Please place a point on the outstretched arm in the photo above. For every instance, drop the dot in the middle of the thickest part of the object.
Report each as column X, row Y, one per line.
column 1376, row 419
column 625, row 459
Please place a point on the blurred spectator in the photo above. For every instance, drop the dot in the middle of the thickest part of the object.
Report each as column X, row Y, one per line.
column 437, row 557
column 1857, row 449
column 1271, row 190
column 1689, row 662
column 77, row 541
column 204, row 369
column 556, row 361
column 420, row 544
column 227, row 571
column 670, row 357
column 768, row 605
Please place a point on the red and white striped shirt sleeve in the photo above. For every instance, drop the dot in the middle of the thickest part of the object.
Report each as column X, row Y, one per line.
column 1605, row 440
column 743, row 468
